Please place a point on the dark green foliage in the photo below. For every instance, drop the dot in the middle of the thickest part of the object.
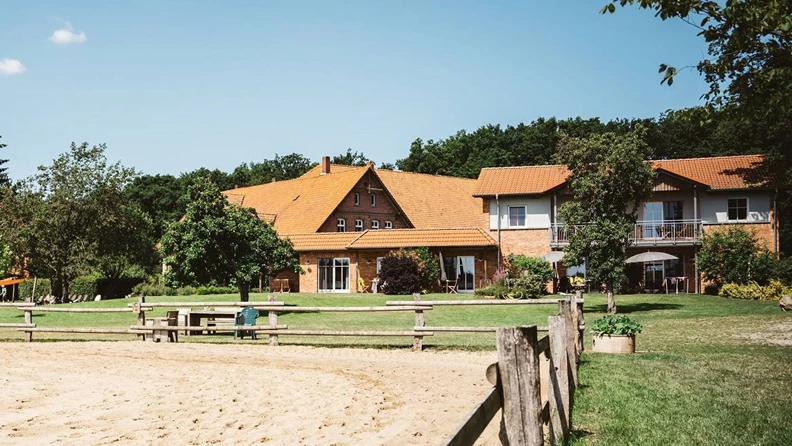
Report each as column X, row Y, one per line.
column 84, row 286
column 615, row 325
column 4, row 180
column 217, row 243
column 428, row 268
column 609, row 179
column 733, row 255
column 521, row 265
column 350, row 158
column 400, row 273
column 279, row 168
column 158, row 196
column 26, row 288
column 496, row 291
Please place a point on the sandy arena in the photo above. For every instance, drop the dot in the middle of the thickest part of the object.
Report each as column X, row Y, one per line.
column 144, row 393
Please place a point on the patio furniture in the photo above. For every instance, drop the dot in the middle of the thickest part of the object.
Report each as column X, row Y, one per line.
column 362, row 287
column 451, row 287
column 246, row 317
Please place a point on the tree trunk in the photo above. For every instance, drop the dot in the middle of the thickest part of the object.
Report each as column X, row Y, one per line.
column 244, row 291
column 611, row 299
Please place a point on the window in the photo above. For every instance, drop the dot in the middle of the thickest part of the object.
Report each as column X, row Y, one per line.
column 333, row 274
column 357, row 199
column 379, row 264
column 516, row 216
column 738, row 208
column 388, row 224
column 358, row 225
column 373, row 200
column 672, row 210
column 374, row 224
column 341, row 225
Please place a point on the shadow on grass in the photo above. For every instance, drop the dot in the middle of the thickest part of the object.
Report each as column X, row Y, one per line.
column 579, row 434
column 633, row 308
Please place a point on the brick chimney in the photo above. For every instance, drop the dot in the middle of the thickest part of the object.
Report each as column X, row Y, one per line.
column 325, row 165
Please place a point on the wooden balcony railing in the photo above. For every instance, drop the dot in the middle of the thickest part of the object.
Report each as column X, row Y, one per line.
column 644, row 232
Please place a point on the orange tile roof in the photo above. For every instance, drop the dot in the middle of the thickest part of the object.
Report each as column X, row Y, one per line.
column 519, row 180
column 417, row 238
column 723, row 172
column 391, row 239
column 300, row 205
column 316, row 171
column 322, row 241
column 434, row 201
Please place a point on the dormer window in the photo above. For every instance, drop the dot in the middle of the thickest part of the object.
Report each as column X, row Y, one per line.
column 388, row 224
column 341, row 225
column 374, row 224
column 357, row 199
column 373, row 200
column 358, row 225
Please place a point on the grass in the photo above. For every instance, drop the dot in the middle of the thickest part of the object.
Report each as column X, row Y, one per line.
column 698, row 377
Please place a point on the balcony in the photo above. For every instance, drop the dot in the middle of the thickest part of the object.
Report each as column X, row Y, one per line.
column 645, row 233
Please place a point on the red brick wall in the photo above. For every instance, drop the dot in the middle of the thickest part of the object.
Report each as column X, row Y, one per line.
column 384, row 210
column 530, row 242
column 763, row 231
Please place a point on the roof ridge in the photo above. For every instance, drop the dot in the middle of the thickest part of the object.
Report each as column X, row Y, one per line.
column 709, row 157
column 432, row 175
column 525, row 166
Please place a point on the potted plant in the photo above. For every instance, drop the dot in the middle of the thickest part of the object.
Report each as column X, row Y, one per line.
column 614, row 334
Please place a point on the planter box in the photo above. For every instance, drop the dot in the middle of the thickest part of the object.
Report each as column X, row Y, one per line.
column 613, row 343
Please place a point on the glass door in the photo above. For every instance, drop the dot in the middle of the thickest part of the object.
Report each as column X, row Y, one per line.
column 654, row 273
column 466, row 273
column 653, row 219
column 333, row 275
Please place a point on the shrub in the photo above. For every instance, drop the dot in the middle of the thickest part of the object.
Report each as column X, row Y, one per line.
column 84, row 286
column 497, row 291
column 399, row 273
column 26, row 288
column 520, row 265
column 733, row 255
column 428, row 268
column 152, row 289
column 613, row 324
column 753, row 291
column 528, row 287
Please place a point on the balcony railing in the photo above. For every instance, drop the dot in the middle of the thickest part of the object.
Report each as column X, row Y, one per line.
column 665, row 232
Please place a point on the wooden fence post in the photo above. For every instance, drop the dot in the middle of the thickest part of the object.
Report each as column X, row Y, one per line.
column 581, row 323
column 571, row 339
column 518, row 365
column 559, row 397
column 273, row 321
column 141, row 317
column 28, row 321
column 419, row 322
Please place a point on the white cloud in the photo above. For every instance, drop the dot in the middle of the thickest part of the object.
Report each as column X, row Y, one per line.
column 66, row 35
column 10, row 67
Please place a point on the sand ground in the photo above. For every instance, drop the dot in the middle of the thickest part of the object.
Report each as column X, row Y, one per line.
column 145, row 393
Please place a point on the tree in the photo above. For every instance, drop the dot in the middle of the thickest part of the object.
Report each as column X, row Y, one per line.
column 4, row 180
column 350, row 158
column 733, row 255
column 6, row 259
column 217, row 243
column 67, row 219
column 280, row 168
column 609, row 180
column 158, row 196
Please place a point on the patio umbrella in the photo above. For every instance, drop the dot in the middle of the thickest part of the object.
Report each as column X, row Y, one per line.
column 553, row 256
column 442, row 269
column 651, row 256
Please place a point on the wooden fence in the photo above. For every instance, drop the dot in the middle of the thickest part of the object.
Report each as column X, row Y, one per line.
column 534, row 383
column 148, row 329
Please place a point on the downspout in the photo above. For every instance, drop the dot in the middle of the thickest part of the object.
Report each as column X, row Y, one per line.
column 775, row 223
column 699, row 229
column 500, row 258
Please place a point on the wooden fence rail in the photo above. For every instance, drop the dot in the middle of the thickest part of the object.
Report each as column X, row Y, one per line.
column 534, row 383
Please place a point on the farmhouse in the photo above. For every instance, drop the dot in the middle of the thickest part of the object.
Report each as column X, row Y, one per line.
column 691, row 197
column 343, row 219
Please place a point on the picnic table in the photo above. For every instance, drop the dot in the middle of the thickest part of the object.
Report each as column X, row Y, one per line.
column 194, row 317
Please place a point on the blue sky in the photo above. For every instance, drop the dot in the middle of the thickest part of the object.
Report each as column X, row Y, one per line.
column 171, row 86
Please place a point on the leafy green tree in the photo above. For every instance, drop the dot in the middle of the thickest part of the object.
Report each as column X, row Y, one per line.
column 6, row 259
column 220, row 244
column 158, row 196
column 280, row 168
column 350, row 158
column 387, row 166
column 4, row 180
column 72, row 216
column 734, row 255
column 609, row 179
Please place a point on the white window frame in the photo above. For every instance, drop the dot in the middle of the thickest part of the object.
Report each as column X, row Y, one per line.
column 388, row 224
column 747, row 208
column 374, row 224
column 525, row 216
column 341, row 225
column 357, row 199
column 373, row 200
column 358, row 225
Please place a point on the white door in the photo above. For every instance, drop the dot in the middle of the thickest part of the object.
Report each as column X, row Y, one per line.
column 466, row 273
column 333, row 275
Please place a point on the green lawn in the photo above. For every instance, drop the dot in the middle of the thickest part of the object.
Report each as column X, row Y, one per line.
column 699, row 377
